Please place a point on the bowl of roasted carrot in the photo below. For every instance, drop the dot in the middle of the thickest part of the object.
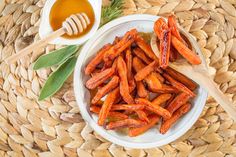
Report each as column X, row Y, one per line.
column 127, row 93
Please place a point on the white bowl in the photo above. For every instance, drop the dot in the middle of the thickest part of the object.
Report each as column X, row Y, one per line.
column 45, row 27
column 152, row 138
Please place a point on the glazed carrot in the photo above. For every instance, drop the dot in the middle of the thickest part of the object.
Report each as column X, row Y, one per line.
column 154, row 108
column 124, row 87
column 161, row 99
column 178, row 101
column 153, row 119
column 128, row 59
column 167, row 89
column 174, row 29
column 160, row 78
column 97, row 59
column 144, row 72
column 189, row 55
column 141, row 90
column 181, row 78
column 113, row 83
column 159, row 26
column 106, row 107
column 141, row 55
column 137, row 64
column 99, row 78
column 145, row 47
column 117, row 39
column 153, row 82
column 125, row 123
column 142, row 115
column 119, row 47
column 179, row 85
column 131, row 107
column 111, row 114
column 179, row 113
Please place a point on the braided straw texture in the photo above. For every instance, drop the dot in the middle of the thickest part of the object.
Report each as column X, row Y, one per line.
column 55, row 127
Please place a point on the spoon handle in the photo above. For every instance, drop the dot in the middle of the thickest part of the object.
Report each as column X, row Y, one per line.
column 35, row 46
column 203, row 79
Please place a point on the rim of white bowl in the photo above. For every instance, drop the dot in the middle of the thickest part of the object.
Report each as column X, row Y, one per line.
column 86, row 116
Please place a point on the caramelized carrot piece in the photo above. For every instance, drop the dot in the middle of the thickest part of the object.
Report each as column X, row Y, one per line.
column 106, row 107
column 117, row 39
column 178, row 101
column 179, row 113
column 145, row 47
column 189, row 55
column 181, row 78
column 141, row 90
column 142, row 115
column 137, row 64
column 141, row 55
column 113, row 83
column 130, row 77
column 153, row 82
column 154, row 108
column 160, row 78
column 144, row 72
column 162, row 31
column 179, row 85
column 161, row 99
column 111, row 114
column 125, row 123
column 153, row 120
column 174, row 29
column 99, row 78
column 119, row 47
column 124, row 87
column 167, row 89
column 97, row 59
column 131, row 107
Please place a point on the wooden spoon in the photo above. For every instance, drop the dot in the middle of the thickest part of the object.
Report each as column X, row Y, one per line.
column 74, row 24
column 199, row 74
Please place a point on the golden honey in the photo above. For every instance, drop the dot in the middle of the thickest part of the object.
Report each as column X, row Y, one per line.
column 62, row 9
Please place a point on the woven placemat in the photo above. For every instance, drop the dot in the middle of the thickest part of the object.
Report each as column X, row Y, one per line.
column 55, row 128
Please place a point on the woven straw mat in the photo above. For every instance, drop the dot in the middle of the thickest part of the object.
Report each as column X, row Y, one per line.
column 55, row 127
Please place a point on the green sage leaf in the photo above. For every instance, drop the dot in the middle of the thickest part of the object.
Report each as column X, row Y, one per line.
column 56, row 57
column 57, row 78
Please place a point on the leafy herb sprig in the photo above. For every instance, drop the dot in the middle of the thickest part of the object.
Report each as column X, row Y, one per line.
column 65, row 58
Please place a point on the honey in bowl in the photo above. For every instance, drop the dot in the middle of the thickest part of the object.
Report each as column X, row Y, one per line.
column 62, row 9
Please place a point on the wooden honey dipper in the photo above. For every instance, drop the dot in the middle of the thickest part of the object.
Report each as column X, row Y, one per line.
column 73, row 25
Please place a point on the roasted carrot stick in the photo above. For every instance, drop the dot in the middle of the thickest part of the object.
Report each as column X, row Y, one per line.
column 145, row 47
column 117, row 39
column 153, row 82
column 153, row 119
column 161, row 99
column 178, row 101
column 141, row 90
column 160, row 78
column 128, row 59
column 131, row 107
column 179, row 113
column 179, row 85
column 159, row 26
column 97, row 59
column 189, row 55
column 106, row 107
column 144, row 72
column 111, row 114
column 181, row 78
column 141, row 55
column 174, row 29
column 113, row 83
column 142, row 115
column 125, row 123
column 124, row 87
column 154, row 108
column 137, row 64
column 99, row 78
column 167, row 89
column 119, row 47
